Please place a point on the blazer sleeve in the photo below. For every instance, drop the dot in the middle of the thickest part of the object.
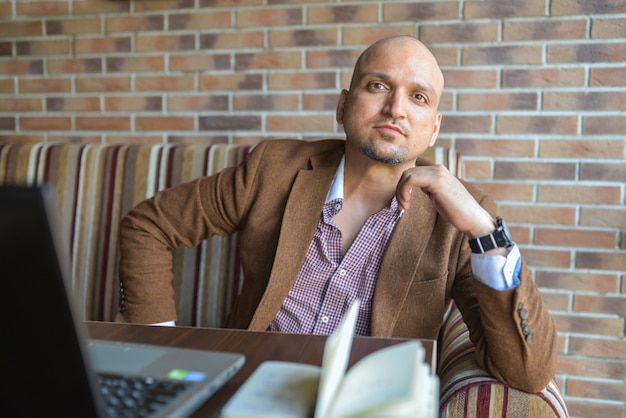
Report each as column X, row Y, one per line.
column 512, row 330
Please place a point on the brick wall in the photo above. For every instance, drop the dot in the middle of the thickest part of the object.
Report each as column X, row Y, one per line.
column 535, row 101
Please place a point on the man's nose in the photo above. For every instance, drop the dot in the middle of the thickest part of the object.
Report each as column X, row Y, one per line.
column 395, row 105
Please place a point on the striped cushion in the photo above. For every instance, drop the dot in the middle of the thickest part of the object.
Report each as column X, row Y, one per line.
column 96, row 185
column 468, row 391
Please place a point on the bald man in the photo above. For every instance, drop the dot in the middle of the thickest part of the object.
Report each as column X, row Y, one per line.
column 362, row 218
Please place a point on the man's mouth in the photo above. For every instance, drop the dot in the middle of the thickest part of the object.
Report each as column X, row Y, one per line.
column 390, row 129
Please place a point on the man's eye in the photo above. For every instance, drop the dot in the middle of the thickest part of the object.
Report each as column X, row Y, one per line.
column 420, row 97
column 377, row 86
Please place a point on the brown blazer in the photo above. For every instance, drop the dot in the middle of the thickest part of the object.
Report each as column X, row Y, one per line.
column 274, row 200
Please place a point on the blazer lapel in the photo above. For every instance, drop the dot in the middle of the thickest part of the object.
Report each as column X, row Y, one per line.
column 400, row 263
column 302, row 212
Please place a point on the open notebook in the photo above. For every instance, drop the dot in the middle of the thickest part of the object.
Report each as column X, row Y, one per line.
column 391, row 382
column 49, row 367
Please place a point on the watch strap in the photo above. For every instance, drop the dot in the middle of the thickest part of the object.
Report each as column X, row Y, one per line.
column 497, row 239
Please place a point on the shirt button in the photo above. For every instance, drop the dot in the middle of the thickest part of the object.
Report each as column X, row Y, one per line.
column 337, row 206
column 342, row 272
column 325, row 319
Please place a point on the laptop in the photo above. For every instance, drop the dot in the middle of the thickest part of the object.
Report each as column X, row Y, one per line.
column 49, row 367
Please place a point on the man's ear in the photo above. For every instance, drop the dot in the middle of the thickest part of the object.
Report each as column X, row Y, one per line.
column 340, row 106
column 436, row 128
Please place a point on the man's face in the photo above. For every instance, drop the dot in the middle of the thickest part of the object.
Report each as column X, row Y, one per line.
column 390, row 113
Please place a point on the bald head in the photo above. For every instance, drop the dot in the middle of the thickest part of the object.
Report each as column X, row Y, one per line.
column 403, row 49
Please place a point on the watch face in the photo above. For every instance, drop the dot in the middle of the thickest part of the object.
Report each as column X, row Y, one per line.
column 505, row 230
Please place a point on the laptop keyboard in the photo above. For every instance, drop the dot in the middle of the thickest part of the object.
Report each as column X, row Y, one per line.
column 127, row 396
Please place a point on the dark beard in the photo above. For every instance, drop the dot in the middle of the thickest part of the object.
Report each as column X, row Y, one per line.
column 369, row 151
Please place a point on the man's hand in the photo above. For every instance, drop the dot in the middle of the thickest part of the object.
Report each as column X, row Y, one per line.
column 449, row 197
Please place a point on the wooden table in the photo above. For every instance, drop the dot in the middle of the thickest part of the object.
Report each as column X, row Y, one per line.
column 256, row 346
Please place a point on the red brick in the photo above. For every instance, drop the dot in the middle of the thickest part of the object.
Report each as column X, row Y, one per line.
column 603, row 171
column 497, row 101
column 579, row 194
column 466, row 124
column 21, row 139
column 326, row 102
column 497, row 55
column 435, row 10
column 591, row 368
column 45, row 85
column 135, row 64
column 42, row 8
column 495, row 147
column 477, row 169
column 197, row 139
column 543, row 77
column 165, row 42
column 102, row 123
column 45, row 123
column 544, row 29
column 534, row 170
column 153, row 5
column 578, row 281
column 610, row 305
column 575, row 238
column 594, row 325
column 269, row 59
column 221, row 3
column 555, row 301
column 73, row 26
column 601, row 261
column 303, row 37
column 103, row 84
column 21, row 67
column 509, row 191
column 7, row 123
column 604, row 125
column 81, row 7
column 266, row 102
column 102, row 45
column 595, row 389
column 202, row 62
column 538, row 214
column 459, row 32
column 612, row 218
column 164, row 83
column 134, row 139
column 582, row 408
column 593, row 347
column 269, row 17
column 597, row 101
column 537, row 124
column 165, row 123
column 229, row 82
column 20, row 104
column 301, row 123
column 201, row 20
column 134, row 23
column 197, row 102
column 367, row 35
column 232, row 40
column 499, row 9
column 73, row 104
column 460, row 78
column 584, row 7
column 608, row 28
column 342, row 14
column 581, row 148
column 447, row 55
column 302, row 80
column 74, row 65
column 76, row 139
column 22, row 28
column 229, row 123
column 6, row 10
column 332, row 58
column 47, row 47
column 7, row 86
column 133, row 103
column 607, row 76
column 586, row 53
column 547, row 258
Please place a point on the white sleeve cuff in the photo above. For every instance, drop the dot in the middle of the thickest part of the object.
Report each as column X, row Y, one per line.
column 497, row 271
column 165, row 324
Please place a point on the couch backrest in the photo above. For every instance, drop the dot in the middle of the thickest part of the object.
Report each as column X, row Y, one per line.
column 97, row 184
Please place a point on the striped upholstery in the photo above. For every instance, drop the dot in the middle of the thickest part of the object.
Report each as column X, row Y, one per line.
column 97, row 184
column 468, row 391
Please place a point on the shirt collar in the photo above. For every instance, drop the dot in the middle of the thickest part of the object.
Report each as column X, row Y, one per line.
column 336, row 187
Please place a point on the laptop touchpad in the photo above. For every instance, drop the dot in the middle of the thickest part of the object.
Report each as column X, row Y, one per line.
column 117, row 358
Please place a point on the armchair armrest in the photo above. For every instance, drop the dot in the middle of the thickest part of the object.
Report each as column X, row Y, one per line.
column 468, row 391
